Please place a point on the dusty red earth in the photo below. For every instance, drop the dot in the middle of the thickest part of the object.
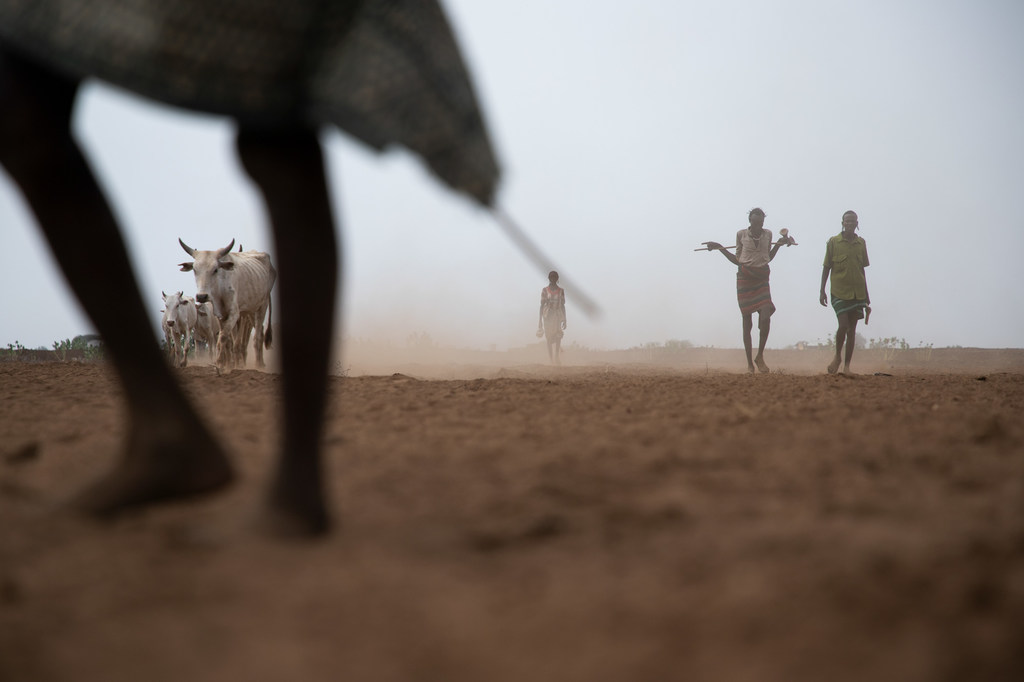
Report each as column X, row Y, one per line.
column 615, row 520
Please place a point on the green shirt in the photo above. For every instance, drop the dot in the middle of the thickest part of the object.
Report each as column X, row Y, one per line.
column 847, row 260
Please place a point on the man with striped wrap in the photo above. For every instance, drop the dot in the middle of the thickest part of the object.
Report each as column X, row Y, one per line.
column 754, row 250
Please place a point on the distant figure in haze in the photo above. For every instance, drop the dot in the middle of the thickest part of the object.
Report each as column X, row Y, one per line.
column 551, row 323
column 846, row 256
column 753, row 253
column 386, row 71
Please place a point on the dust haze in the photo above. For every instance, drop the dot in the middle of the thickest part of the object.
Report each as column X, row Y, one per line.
column 625, row 141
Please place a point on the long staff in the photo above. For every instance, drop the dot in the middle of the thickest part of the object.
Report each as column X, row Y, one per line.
column 784, row 232
column 533, row 252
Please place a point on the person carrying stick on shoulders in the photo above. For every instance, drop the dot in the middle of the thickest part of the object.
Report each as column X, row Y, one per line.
column 754, row 250
column 846, row 256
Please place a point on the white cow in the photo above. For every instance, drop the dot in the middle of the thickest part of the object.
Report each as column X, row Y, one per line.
column 179, row 323
column 235, row 283
column 207, row 326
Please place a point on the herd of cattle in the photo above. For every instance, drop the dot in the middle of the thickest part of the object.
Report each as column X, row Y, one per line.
column 231, row 303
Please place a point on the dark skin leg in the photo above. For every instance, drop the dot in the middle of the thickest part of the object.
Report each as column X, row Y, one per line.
column 846, row 336
column 169, row 452
column 748, row 326
column 553, row 351
column 851, row 341
column 764, row 326
column 287, row 166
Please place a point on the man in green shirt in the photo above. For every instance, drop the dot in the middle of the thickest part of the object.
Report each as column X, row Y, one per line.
column 846, row 256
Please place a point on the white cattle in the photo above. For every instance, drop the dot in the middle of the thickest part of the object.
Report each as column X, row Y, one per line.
column 207, row 326
column 179, row 323
column 236, row 284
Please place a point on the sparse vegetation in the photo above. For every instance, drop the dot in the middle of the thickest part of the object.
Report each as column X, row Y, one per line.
column 890, row 343
column 420, row 340
column 83, row 348
column 893, row 346
column 13, row 351
column 61, row 348
column 654, row 350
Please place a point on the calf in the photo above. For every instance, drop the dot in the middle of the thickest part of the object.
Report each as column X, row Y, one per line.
column 207, row 326
column 179, row 325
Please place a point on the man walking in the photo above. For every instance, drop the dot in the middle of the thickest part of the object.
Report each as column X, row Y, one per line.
column 846, row 256
column 754, row 251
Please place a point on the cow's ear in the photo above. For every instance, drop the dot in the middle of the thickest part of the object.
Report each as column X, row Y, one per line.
column 186, row 267
column 227, row 264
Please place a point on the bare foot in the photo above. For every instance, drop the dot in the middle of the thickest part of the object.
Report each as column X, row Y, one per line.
column 278, row 522
column 295, row 510
column 159, row 466
column 760, row 365
column 833, row 366
column 751, row 369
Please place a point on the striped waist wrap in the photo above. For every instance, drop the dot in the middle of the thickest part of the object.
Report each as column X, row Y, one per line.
column 752, row 289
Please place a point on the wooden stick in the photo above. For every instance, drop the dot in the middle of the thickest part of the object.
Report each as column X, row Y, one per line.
column 784, row 233
column 733, row 247
column 543, row 263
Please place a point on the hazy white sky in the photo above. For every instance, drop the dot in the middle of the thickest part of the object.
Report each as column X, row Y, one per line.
column 628, row 133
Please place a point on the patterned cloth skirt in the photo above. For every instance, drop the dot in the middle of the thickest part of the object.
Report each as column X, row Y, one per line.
column 855, row 307
column 753, row 291
column 385, row 71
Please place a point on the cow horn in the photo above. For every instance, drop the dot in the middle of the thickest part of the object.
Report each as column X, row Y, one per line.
column 188, row 249
column 226, row 250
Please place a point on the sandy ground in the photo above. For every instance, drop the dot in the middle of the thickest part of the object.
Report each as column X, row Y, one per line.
column 599, row 521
